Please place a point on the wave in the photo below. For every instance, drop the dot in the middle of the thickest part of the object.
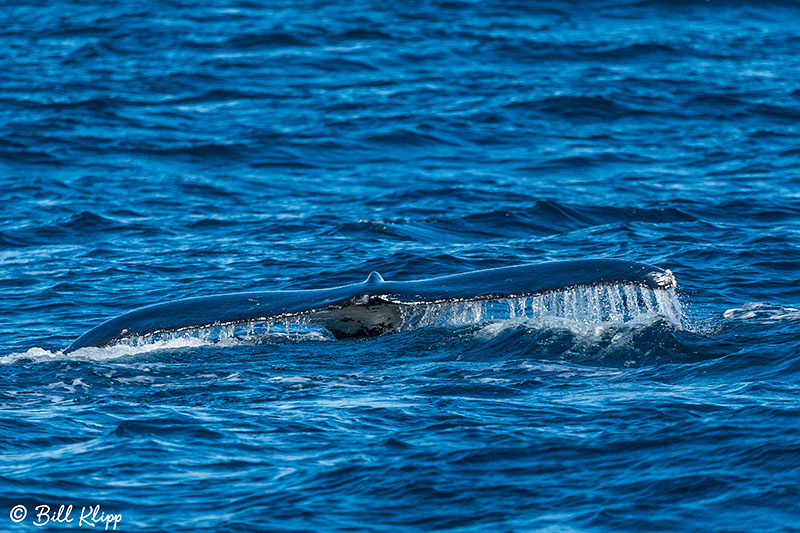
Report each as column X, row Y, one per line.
column 541, row 217
column 578, row 108
column 266, row 39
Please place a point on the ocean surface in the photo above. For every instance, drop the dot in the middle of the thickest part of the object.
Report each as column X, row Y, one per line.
column 158, row 150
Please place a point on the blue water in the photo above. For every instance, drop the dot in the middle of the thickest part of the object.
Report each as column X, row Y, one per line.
column 153, row 151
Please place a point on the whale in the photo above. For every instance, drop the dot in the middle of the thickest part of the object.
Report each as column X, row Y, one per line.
column 371, row 307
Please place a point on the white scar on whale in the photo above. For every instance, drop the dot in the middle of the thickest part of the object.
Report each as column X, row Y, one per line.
column 376, row 306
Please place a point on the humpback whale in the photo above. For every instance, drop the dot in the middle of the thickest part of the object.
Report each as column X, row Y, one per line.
column 373, row 306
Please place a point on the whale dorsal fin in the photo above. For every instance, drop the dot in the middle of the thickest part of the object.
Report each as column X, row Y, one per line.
column 374, row 278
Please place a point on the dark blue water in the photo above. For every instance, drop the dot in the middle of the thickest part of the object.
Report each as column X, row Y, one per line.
column 152, row 151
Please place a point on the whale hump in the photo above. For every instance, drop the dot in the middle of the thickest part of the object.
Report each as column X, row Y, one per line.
column 373, row 306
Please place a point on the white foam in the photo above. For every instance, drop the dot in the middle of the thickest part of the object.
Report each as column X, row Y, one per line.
column 762, row 311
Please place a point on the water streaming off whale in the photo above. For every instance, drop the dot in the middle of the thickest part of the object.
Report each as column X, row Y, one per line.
column 583, row 305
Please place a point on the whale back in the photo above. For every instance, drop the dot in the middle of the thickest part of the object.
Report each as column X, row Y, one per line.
column 373, row 306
